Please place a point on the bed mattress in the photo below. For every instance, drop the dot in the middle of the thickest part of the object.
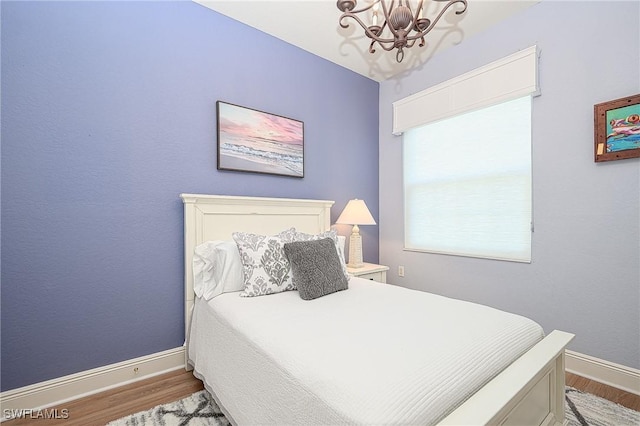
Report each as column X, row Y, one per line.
column 372, row 354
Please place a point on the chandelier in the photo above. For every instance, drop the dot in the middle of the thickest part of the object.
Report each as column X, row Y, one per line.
column 405, row 24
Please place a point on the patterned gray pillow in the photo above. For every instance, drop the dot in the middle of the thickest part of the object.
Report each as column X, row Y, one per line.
column 316, row 267
column 265, row 268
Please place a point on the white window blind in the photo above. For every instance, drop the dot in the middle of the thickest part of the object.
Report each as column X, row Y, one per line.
column 467, row 183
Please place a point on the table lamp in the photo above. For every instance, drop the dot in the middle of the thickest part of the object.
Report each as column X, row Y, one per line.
column 355, row 213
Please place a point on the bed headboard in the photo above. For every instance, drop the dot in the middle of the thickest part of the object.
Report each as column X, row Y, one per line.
column 216, row 217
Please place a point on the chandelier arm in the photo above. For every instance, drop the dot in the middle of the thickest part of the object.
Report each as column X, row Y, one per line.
column 458, row 12
column 385, row 24
column 388, row 49
column 385, row 11
column 384, row 41
column 435, row 21
column 364, row 9
column 365, row 28
column 416, row 16
column 410, row 43
column 371, row 49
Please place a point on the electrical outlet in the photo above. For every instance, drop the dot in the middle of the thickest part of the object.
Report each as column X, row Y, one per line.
column 401, row 271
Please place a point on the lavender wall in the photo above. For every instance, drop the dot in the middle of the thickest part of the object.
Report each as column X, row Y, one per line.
column 585, row 273
column 108, row 113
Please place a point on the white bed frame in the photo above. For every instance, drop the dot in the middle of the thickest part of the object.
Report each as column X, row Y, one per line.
column 528, row 392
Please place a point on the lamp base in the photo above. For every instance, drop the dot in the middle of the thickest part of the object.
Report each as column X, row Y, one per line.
column 355, row 249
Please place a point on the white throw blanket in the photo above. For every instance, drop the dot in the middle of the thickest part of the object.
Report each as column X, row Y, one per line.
column 372, row 354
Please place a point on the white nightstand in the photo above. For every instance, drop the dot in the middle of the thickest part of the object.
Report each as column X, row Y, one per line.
column 370, row 271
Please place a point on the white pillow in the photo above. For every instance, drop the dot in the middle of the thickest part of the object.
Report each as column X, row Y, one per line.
column 217, row 269
column 341, row 243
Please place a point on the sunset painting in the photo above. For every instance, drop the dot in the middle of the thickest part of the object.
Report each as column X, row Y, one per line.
column 255, row 141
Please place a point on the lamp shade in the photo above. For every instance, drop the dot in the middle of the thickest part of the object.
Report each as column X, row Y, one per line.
column 356, row 213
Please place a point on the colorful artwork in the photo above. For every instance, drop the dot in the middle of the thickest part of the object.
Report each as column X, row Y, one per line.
column 617, row 129
column 623, row 128
column 256, row 141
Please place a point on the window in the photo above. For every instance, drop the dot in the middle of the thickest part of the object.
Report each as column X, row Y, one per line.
column 467, row 161
column 467, row 183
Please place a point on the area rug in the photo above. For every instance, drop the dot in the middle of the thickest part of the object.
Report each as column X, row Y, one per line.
column 199, row 409
column 585, row 409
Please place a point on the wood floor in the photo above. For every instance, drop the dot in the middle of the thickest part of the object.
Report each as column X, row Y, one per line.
column 618, row 396
column 104, row 407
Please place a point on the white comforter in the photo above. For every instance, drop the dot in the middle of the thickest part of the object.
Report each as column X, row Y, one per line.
column 373, row 354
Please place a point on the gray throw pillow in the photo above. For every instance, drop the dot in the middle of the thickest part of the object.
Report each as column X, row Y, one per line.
column 316, row 267
column 301, row 236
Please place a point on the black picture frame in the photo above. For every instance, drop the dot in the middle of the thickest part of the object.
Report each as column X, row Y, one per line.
column 255, row 141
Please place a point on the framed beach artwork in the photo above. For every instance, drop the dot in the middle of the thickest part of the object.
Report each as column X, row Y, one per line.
column 254, row 141
column 617, row 129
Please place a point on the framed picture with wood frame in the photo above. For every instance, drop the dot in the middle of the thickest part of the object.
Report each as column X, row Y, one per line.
column 617, row 129
column 255, row 141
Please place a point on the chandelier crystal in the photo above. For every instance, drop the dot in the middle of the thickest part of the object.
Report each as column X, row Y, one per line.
column 404, row 23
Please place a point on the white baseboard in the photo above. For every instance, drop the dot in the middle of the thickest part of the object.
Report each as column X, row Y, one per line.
column 64, row 389
column 608, row 373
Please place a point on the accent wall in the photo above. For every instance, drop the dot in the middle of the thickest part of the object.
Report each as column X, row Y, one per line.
column 108, row 114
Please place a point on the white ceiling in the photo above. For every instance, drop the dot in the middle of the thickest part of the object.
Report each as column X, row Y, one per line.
column 313, row 26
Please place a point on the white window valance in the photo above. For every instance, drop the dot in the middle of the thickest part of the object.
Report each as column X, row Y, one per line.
column 508, row 78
